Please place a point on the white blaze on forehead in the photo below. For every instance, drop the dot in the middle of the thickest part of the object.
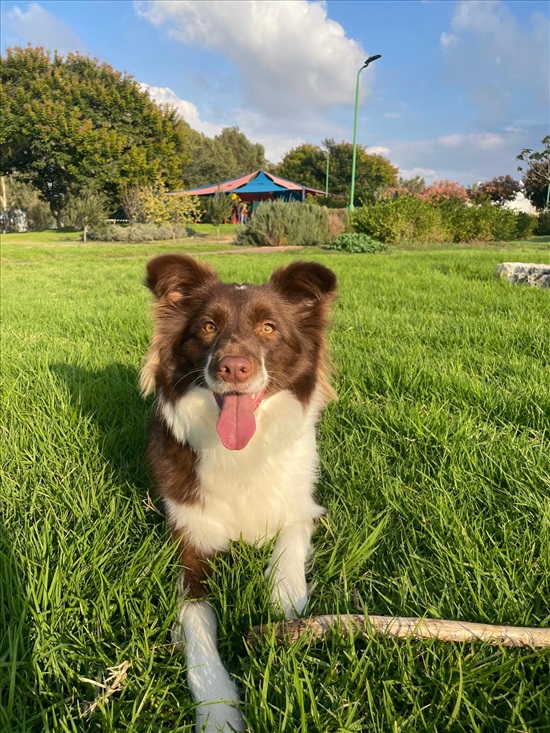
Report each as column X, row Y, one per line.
column 240, row 287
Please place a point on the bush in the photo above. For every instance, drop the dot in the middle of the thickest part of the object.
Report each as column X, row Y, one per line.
column 276, row 223
column 526, row 225
column 338, row 222
column 136, row 233
column 400, row 220
column 356, row 242
column 543, row 224
column 410, row 219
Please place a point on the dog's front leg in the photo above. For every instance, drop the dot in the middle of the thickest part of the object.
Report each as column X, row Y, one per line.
column 286, row 571
column 195, row 631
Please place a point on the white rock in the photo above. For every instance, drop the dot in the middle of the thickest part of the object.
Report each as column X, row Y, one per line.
column 524, row 273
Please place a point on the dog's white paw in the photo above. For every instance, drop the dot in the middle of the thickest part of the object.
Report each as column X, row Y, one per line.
column 218, row 717
column 288, row 594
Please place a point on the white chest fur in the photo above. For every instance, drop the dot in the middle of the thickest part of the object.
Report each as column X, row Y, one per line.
column 252, row 493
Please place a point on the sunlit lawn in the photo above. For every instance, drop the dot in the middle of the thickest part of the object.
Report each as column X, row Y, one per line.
column 435, row 473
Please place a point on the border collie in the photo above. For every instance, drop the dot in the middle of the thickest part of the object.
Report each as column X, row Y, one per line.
column 240, row 374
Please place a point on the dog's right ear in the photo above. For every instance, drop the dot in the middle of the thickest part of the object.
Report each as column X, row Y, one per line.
column 177, row 275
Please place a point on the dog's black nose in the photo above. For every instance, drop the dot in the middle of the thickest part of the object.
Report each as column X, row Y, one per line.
column 234, row 369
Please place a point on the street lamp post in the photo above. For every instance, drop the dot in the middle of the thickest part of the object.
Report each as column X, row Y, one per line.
column 352, row 189
column 327, row 174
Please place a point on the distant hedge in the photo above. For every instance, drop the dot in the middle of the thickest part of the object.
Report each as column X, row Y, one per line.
column 409, row 219
column 136, row 233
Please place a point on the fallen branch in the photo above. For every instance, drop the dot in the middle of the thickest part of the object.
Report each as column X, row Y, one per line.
column 418, row 628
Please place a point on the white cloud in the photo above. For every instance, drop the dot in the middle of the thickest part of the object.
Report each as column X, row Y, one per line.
column 428, row 174
column 448, row 39
column 187, row 110
column 465, row 158
column 290, row 55
column 251, row 124
column 393, row 115
column 503, row 65
column 378, row 150
column 479, row 140
column 39, row 27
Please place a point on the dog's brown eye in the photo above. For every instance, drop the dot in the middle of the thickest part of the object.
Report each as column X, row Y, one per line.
column 268, row 328
column 209, row 327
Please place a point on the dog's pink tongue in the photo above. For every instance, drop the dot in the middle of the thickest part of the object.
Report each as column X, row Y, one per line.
column 236, row 423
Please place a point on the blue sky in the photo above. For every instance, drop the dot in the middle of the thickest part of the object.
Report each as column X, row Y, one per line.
column 461, row 88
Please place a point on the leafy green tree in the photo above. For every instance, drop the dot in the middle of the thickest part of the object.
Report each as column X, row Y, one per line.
column 228, row 155
column 21, row 196
column 414, row 186
column 87, row 210
column 217, row 208
column 248, row 156
column 209, row 162
column 72, row 123
column 536, row 169
column 307, row 164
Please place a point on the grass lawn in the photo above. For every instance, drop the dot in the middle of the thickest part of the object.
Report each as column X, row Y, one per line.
column 435, row 473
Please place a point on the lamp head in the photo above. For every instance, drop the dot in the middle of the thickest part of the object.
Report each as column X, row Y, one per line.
column 371, row 59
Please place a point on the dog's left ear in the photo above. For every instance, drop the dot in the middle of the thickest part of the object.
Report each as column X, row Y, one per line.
column 305, row 283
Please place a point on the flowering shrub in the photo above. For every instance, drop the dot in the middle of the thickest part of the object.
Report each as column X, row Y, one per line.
column 444, row 190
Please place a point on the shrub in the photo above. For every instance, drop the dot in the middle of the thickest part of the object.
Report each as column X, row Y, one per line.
column 338, row 222
column 136, row 232
column 276, row 223
column 543, row 224
column 404, row 219
column 356, row 242
column 410, row 219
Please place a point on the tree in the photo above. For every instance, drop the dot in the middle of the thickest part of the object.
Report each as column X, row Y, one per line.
column 414, row 185
column 21, row 196
column 72, row 123
column 248, row 156
column 445, row 190
column 218, row 208
column 307, row 164
column 536, row 178
column 87, row 210
column 228, row 155
column 498, row 190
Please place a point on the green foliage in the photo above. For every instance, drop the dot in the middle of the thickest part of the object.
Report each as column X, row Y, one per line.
column 148, row 204
column 410, row 219
column 228, row 155
column 536, row 179
column 216, row 209
column 21, row 196
column 70, row 123
column 543, row 224
column 307, row 163
column 87, row 210
column 356, row 242
column 277, row 223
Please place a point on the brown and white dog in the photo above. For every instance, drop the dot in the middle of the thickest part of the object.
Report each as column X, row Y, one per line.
column 240, row 376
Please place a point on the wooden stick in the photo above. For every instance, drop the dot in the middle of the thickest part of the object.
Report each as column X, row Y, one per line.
column 418, row 628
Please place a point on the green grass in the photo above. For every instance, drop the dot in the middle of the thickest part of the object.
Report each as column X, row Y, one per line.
column 435, row 473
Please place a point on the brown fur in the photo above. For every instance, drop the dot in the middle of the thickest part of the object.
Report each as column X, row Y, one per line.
column 296, row 300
